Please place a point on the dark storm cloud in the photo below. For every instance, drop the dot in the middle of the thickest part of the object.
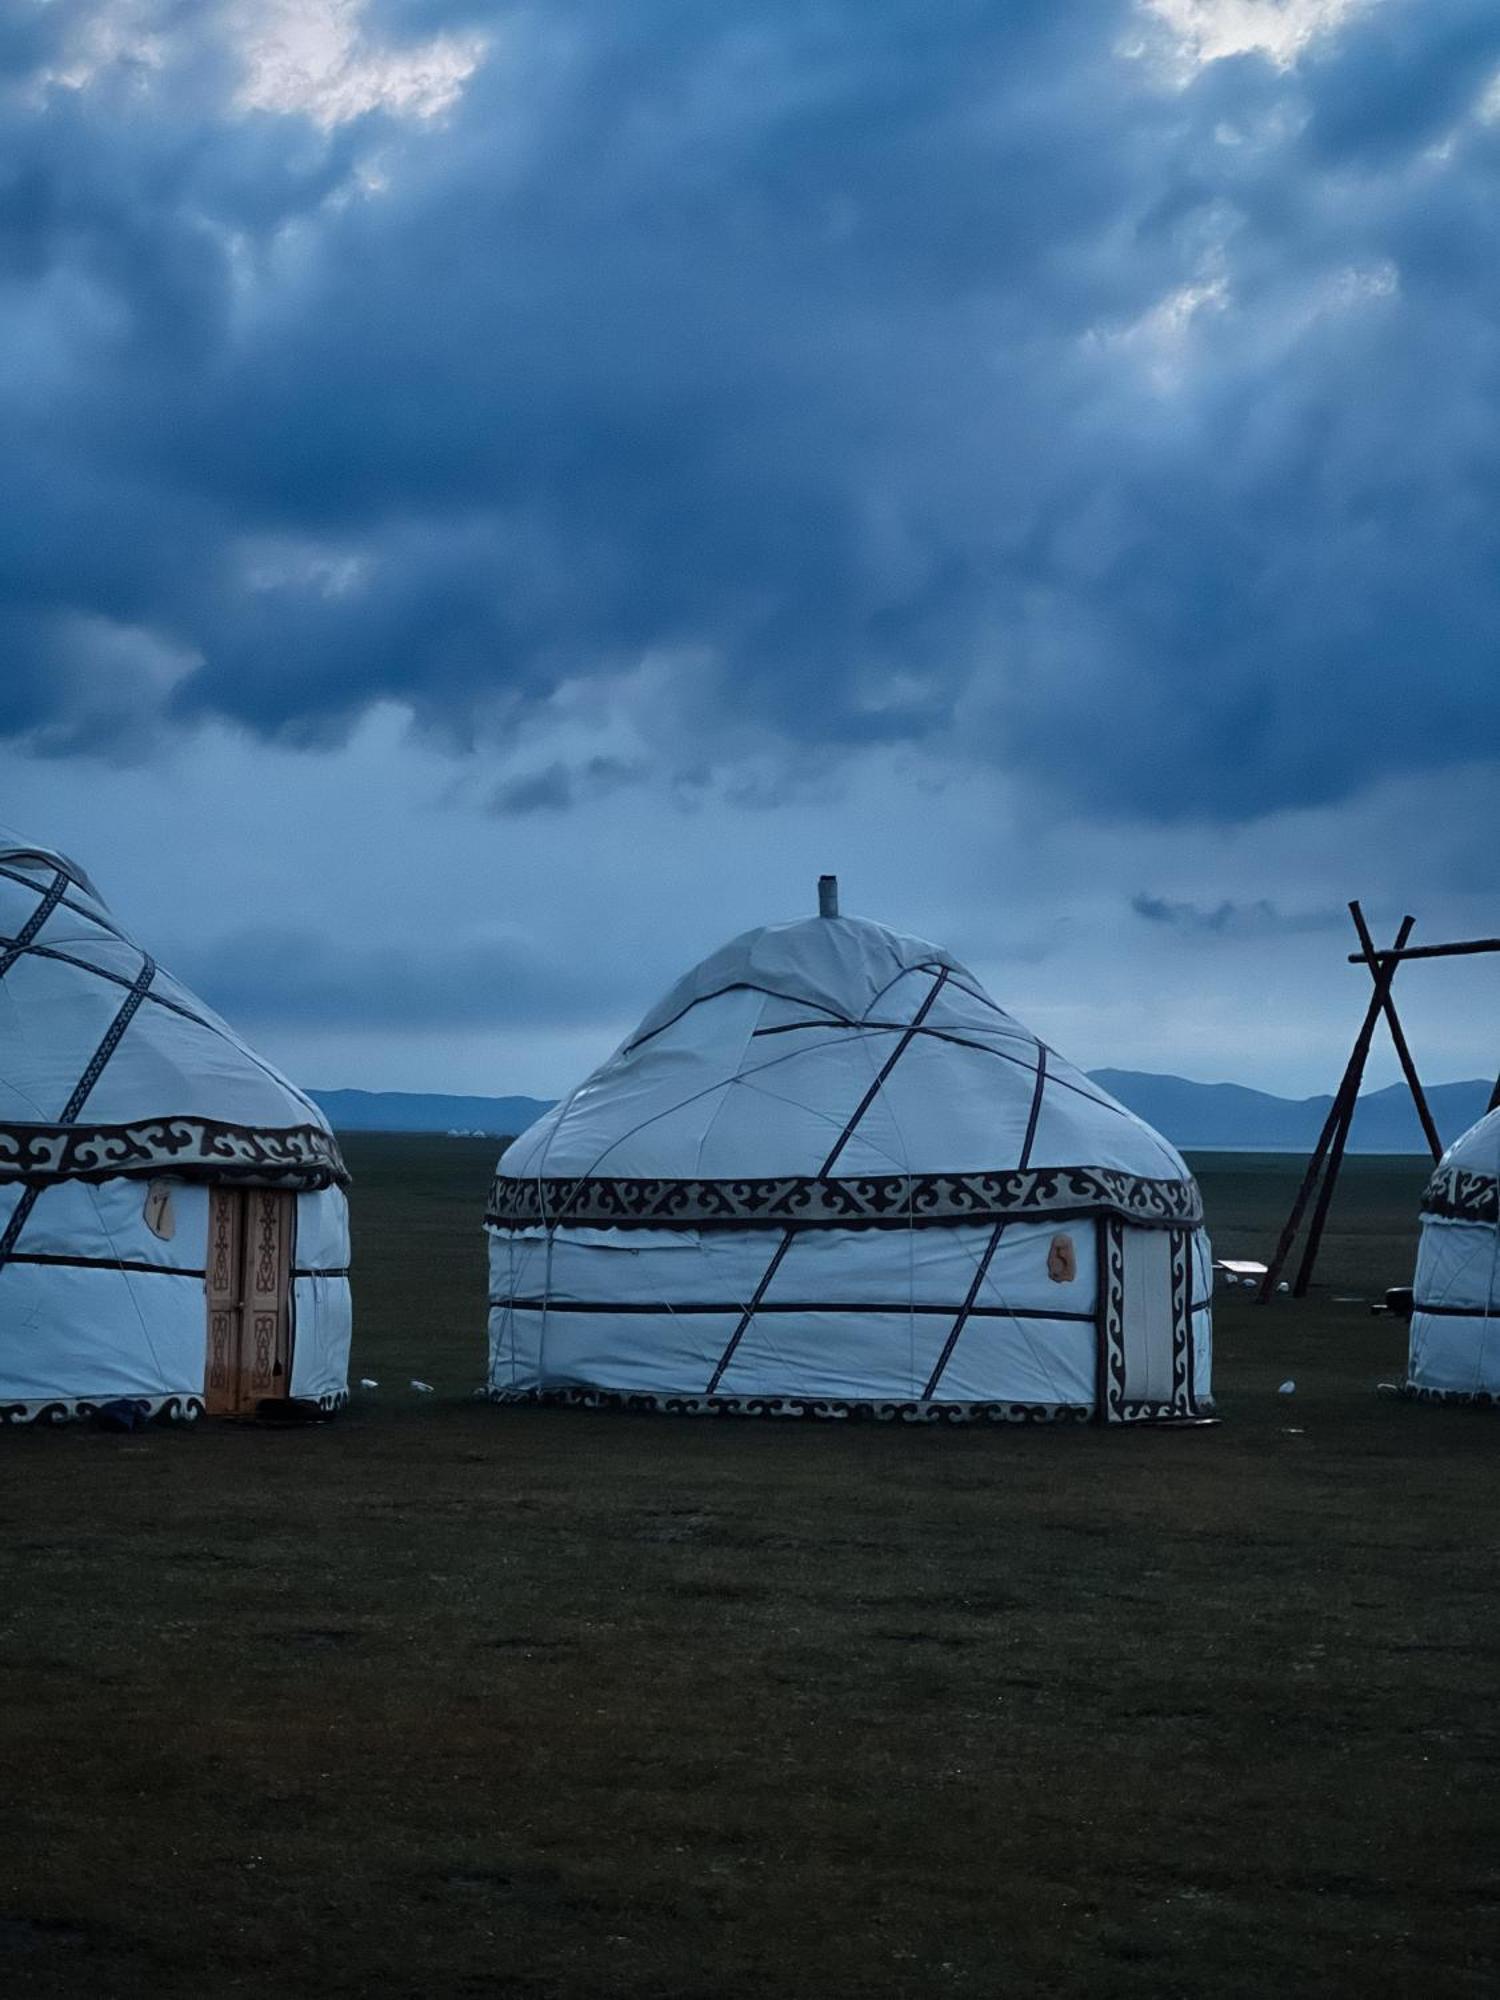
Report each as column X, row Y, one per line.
column 903, row 374
column 1405, row 79
column 1232, row 920
column 558, row 787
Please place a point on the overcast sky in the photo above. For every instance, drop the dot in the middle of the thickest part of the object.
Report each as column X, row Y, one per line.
column 499, row 498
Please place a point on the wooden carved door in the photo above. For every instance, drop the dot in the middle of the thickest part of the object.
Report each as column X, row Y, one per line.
column 249, row 1299
column 226, row 1239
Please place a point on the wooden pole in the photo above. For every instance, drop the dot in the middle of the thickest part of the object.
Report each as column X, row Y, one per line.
column 1392, row 1021
column 1463, row 950
column 1294, row 1221
column 1352, row 1079
column 1325, row 1137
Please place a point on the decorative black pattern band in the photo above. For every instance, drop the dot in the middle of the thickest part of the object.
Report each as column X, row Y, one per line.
column 303, row 1156
column 833, row 1410
column 1111, row 1357
column 889, row 1201
column 1171, row 1414
column 1183, row 1384
column 182, row 1408
column 1462, row 1196
column 825, row 1407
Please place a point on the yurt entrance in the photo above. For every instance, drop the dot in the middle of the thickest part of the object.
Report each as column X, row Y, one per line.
column 250, row 1233
column 1145, row 1320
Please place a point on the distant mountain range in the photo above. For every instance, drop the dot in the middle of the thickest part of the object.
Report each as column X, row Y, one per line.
column 426, row 1111
column 1208, row 1117
column 1203, row 1117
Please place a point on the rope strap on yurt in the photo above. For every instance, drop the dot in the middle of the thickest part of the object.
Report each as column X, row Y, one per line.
column 826, row 1170
column 80, row 1094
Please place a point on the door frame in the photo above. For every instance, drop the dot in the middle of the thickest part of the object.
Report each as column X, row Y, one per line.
column 1115, row 1402
column 249, row 1291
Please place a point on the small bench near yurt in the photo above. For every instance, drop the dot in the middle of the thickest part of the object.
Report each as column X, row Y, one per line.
column 173, row 1230
column 828, row 1174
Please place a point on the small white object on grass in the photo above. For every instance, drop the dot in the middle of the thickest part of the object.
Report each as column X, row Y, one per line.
column 1287, row 1389
column 1283, row 1286
column 422, row 1388
column 368, row 1382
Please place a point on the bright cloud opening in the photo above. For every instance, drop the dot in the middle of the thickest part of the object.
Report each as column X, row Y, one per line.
column 1206, row 31
column 313, row 57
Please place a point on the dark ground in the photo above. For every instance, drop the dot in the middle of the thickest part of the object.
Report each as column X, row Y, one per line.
column 445, row 1700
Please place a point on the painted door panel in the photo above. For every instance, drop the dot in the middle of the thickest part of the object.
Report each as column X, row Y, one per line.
column 249, row 1267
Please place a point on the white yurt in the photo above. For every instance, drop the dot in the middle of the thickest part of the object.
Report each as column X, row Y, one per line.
column 173, row 1230
column 1455, row 1326
column 828, row 1174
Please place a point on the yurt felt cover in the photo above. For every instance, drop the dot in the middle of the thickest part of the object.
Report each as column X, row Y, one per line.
column 115, row 1078
column 828, row 1167
column 1455, row 1329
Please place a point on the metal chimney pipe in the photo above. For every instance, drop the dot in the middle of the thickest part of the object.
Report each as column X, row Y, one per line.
column 828, row 895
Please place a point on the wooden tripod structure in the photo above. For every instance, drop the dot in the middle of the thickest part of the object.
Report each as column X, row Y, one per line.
column 1328, row 1154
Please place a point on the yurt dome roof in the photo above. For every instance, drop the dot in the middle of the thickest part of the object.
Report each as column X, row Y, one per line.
column 109, row 1066
column 838, row 1069
column 49, row 858
column 840, row 966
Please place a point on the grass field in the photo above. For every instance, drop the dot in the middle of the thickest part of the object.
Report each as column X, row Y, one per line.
column 446, row 1700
